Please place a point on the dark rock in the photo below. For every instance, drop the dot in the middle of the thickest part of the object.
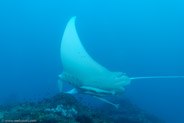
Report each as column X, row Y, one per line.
column 84, row 119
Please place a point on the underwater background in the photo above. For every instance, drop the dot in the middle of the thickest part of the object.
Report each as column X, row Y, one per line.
column 138, row 37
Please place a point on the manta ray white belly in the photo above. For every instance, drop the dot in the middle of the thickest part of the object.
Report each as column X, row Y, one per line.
column 85, row 74
column 81, row 70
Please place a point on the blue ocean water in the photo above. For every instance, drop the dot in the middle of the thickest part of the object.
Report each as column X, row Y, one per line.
column 139, row 37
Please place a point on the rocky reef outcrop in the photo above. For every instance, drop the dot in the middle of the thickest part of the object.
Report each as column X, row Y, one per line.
column 64, row 108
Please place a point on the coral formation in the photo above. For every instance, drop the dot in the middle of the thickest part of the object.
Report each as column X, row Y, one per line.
column 64, row 108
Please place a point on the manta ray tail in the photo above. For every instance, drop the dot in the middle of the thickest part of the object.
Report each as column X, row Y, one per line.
column 156, row 77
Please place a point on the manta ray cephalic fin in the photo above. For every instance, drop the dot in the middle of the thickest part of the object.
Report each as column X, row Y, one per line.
column 97, row 90
column 72, row 91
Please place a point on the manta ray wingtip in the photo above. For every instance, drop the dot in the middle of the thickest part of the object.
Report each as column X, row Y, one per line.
column 73, row 18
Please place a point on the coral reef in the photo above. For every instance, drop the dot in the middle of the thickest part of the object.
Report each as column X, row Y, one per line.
column 64, row 108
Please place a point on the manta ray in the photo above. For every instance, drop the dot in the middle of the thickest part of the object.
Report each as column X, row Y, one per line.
column 85, row 74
